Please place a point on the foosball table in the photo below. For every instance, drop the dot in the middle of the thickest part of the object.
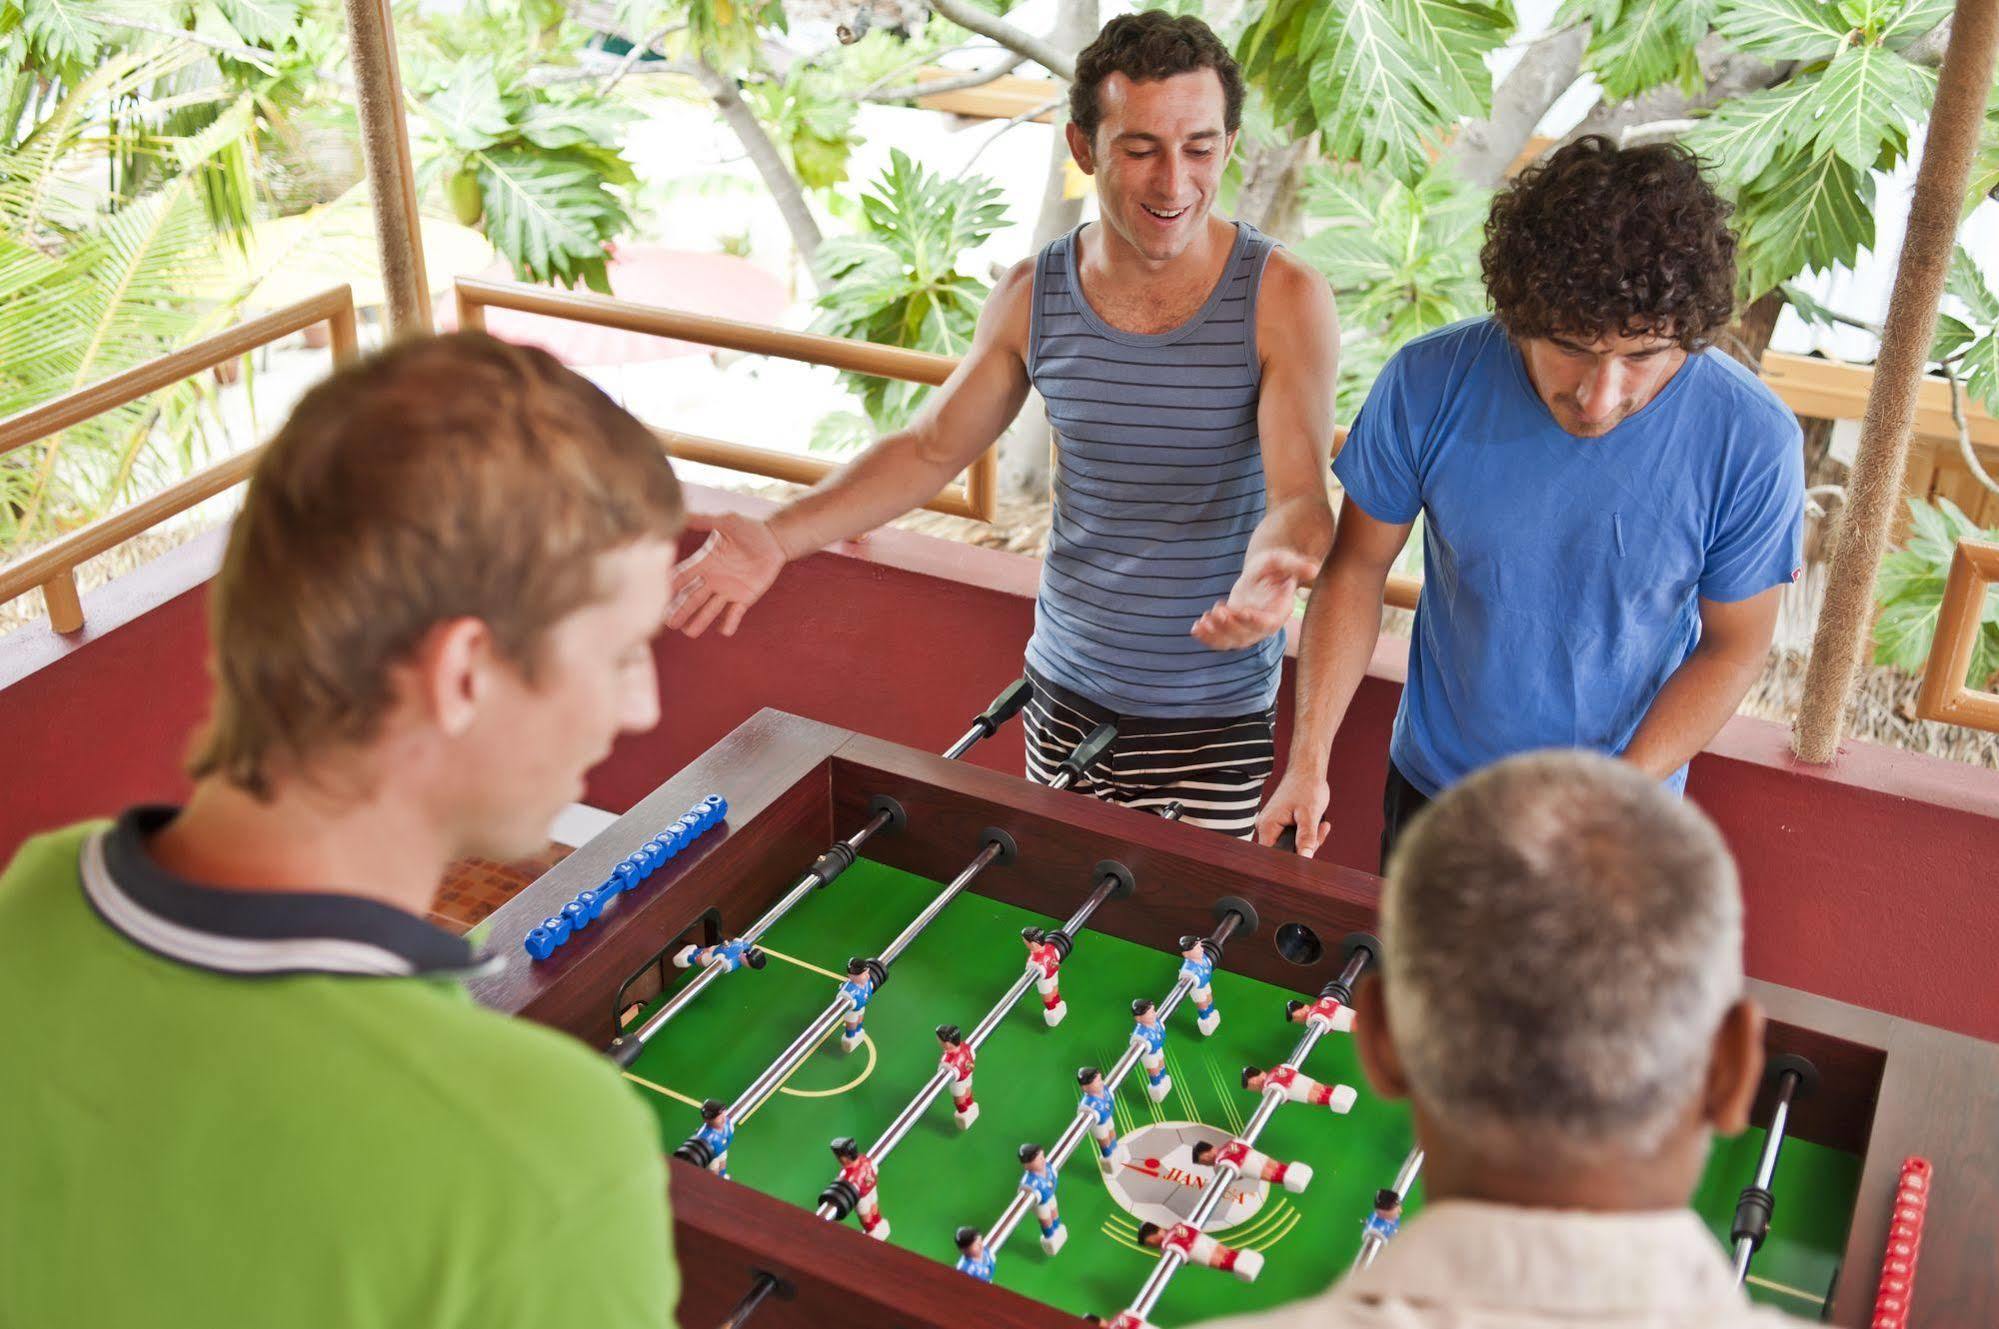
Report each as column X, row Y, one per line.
column 1056, row 1056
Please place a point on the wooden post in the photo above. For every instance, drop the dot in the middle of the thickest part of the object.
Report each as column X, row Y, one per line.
column 385, row 146
column 65, row 606
column 1872, row 494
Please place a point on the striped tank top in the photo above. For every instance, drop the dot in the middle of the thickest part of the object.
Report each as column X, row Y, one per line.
column 1158, row 486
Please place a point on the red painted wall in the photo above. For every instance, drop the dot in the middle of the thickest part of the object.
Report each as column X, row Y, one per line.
column 1871, row 881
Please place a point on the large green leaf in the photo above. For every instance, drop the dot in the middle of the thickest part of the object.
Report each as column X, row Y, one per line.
column 261, row 22
column 1450, row 39
column 61, row 31
column 550, row 214
column 1743, row 134
column 1802, row 214
column 1910, row 20
column 1783, row 29
column 468, row 111
column 1866, row 94
column 1963, row 280
column 1647, row 43
column 1979, row 367
column 1381, row 80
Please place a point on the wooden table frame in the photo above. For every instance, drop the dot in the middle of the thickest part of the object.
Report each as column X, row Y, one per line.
column 1974, row 567
column 1891, row 1087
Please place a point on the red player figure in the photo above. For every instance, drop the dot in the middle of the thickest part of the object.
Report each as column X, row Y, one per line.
column 858, row 1171
column 1044, row 961
column 958, row 1059
column 1298, row 1088
column 1330, row 1009
column 1198, row 1247
column 1293, row 1177
column 1126, row 1320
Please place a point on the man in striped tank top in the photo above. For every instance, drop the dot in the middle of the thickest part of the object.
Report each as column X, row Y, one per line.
column 1187, row 364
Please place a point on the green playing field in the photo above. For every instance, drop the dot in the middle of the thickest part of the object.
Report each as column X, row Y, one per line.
column 941, row 1177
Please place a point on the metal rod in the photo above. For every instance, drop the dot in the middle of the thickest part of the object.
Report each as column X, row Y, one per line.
column 1766, row 1164
column 1372, row 1242
column 759, row 1290
column 680, row 1001
column 913, row 1110
column 1225, row 1175
column 801, row 1047
column 1072, row 1135
column 1005, row 706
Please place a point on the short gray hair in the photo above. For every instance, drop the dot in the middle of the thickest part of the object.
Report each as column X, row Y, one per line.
column 1562, row 940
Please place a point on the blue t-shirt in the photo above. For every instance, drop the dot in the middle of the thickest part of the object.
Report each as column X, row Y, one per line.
column 1153, row 1036
column 1562, row 576
column 1100, row 1106
column 858, row 992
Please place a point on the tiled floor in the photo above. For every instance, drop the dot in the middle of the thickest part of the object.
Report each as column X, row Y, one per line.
column 475, row 887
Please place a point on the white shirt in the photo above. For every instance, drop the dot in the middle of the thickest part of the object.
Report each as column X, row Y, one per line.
column 1463, row 1264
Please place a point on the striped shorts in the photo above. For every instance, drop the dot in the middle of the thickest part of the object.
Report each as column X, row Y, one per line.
column 1214, row 769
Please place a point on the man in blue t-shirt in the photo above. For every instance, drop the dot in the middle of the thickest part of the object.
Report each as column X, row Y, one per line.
column 1610, row 504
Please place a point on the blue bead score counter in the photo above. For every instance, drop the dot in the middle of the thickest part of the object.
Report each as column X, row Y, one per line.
column 647, row 859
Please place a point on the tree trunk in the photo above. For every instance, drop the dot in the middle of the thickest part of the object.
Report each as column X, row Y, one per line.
column 1269, row 198
column 1026, row 448
column 1484, row 149
column 1749, row 336
column 784, row 188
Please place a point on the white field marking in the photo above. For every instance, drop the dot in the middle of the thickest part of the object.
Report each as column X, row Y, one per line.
column 1785, row 1290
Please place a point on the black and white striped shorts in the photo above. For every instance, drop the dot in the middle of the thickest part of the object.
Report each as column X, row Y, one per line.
column 1214, row 768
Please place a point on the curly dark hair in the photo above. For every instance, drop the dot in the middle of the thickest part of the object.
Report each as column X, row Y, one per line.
column 1602, row 241
column 1152, row 44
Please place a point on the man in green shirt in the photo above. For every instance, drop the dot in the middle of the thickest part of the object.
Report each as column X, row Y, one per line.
column 240, row 1082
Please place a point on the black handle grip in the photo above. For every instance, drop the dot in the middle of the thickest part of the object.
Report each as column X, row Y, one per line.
column 1089, row 750
column 1005, row 706
column 624, row 1050
column 1287, row 840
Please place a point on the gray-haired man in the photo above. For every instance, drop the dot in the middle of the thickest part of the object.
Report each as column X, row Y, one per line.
column 1561, row 1001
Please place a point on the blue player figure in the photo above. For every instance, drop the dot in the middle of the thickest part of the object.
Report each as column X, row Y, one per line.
column 973, row 1257
column 732, row 955
column 1039, row 1181
column 1386, row 1220
column 860, row 986
column 1150, row 1036
column 1195, row 963
column 716, row 1132
column 1097, row 1101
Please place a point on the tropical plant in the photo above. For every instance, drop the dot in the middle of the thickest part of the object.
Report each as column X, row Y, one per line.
column 898, row 280
column 1968, row 346
column 1910, row 593
column 1798, row 155
column 1402, row 260
column 809, row 114
column 536, row 162
column 1382, row 82
column 94, row 283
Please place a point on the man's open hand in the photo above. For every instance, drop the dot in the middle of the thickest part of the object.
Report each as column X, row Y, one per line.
column 726, row 575
column 1261, row 602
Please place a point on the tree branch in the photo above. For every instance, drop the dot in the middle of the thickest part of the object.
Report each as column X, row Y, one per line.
column 1042, row 52
column 976, row 78
column 637, row 53
column 1483, row 150
column 249, row 55
column 764, row 155
column 1964, row 448
column 1729, row 74
column 1030, row 113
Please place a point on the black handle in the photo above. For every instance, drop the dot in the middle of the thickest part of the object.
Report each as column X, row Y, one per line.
column 1089, row 750
column 624, row 1050
column 1005, row 706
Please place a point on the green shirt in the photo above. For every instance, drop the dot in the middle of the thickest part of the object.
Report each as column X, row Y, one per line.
column 272, row 1109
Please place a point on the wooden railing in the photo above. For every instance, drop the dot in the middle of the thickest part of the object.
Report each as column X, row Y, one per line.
column 1944, row 695
column 975, row 496
column 53, row 566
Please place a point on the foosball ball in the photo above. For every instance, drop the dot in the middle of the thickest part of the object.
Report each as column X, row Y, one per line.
column 1021, row 1005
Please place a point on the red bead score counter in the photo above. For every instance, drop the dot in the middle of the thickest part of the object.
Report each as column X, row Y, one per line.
column 1905, row 1240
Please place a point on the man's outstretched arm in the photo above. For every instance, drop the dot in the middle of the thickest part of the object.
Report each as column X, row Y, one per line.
column 903, row 470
